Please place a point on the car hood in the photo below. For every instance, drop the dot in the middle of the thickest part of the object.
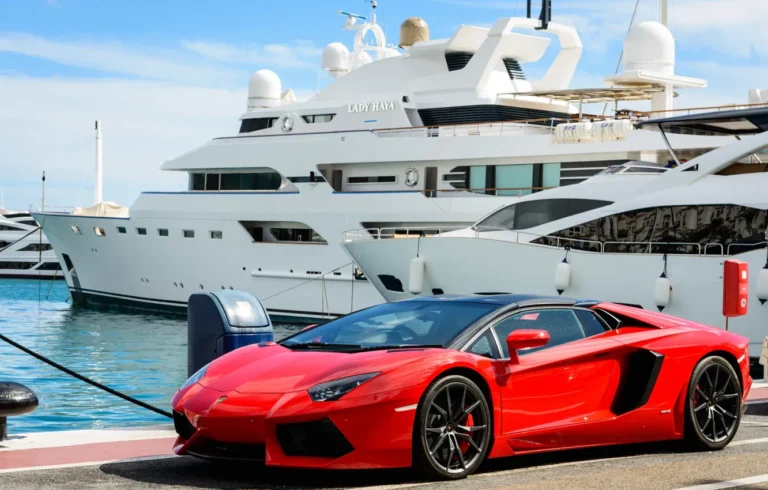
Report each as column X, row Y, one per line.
column 276, row 369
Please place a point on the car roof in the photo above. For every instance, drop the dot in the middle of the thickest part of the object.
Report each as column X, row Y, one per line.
column 502, row 300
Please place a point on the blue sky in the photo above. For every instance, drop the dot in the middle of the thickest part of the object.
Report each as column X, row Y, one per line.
column 166, row 76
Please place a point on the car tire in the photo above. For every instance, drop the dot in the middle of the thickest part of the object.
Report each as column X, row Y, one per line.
column 453, row 429
column 712, row 405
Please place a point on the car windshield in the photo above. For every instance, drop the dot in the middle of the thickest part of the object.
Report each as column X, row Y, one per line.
column 393, row 325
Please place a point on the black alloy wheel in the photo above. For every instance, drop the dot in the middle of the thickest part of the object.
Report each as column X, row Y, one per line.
column 453, row 430
column 713, row 408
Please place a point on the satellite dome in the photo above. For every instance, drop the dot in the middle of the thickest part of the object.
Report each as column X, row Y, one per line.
column 413, row 30
column 264, row 90
column 359, row 59
column 336, row 59
column 385, row 53
column 649, row 47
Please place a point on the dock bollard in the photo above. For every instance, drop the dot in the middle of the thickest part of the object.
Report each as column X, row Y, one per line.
column 15, row 399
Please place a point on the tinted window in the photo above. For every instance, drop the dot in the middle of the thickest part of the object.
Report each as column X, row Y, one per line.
column 485, row 346
column 198, row 182
column 529, row 214
column 404, row 323
column 590, row 323
column 561, row 324
column 212, row 182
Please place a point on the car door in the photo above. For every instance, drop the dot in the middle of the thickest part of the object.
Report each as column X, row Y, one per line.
column 553, row 388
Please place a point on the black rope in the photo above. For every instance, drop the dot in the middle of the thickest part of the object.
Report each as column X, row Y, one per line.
column 87, row 380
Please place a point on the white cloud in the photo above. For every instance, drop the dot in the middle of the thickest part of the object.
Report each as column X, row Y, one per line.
column 47, row 125
column 299, row 54
column 116, row 58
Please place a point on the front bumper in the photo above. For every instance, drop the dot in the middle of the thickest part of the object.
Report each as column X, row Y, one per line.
column 291, row 430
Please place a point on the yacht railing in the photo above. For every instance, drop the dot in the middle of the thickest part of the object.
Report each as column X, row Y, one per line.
column 595, row 246
column 497, row 128
column 493, row 191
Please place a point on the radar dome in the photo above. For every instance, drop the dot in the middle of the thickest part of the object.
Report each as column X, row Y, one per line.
column 385, row 53
column 336, row 59
column 264, row 90
column 650, row 47
column 359, row 59
column 413, row 30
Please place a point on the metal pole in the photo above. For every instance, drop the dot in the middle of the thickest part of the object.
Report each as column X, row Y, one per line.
column 42, row 203
column 3, row 428
column 664, row 11
column 97, row 177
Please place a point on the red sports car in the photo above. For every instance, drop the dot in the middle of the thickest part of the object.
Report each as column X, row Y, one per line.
column 442, row 383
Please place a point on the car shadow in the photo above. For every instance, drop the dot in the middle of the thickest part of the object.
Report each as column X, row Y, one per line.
column 195, row 473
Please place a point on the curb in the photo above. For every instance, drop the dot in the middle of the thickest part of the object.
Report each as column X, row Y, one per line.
column 756, row 407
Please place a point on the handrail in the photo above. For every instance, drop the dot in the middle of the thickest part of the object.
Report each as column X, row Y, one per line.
column 744, row 245
column 480, row 189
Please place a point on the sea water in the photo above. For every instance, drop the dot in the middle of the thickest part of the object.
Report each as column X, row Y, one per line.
column 141, row 355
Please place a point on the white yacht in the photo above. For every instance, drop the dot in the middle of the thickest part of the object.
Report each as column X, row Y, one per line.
column 24, row 249
column 635, row 234
column 418, row 139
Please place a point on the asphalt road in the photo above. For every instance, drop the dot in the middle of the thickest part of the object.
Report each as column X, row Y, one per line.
column 660, row 466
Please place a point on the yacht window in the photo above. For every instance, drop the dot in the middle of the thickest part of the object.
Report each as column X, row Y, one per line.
column 217, row 235
column 29, row 222
column 237, row 181
column 141, row 231
column 710, row 229
column 76, row 230
column 37, row 247
column 4, row 244
column 198, row 182
column 189, row 233
column 524, row 215
column 645, row 170
column 49, row 266
column 8, row 228
column 318, row 118
column 257, row 124
column 381, row 179
column 17, row 265
column 303, row 235
column 162, row 231
column 121, row 229
column 212, row 182
column 99, row 231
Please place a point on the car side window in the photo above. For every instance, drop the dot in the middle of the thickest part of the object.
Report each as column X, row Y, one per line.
column 590, row 323
column 561, row 324
column 485, row 346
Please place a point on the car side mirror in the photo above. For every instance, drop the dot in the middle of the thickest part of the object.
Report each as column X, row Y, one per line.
column 525, row 339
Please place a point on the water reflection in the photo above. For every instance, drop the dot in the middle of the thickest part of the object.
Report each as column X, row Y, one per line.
column 141, row 355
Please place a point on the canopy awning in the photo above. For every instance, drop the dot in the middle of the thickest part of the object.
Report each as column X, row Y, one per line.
column 592, row 95
column 732, row 122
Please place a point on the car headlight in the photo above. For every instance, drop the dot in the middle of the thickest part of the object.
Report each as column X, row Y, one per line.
column 333, row 390
column 195, row 377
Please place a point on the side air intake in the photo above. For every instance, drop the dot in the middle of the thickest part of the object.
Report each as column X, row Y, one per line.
column 514, row 69
column 457, row 60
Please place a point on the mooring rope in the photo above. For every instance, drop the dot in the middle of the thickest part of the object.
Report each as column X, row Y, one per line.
column 86, row 379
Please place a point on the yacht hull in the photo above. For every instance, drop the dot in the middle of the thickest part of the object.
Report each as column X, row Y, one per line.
column 465, row 265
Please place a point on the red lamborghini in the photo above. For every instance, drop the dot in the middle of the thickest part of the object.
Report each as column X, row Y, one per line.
column 442, row 383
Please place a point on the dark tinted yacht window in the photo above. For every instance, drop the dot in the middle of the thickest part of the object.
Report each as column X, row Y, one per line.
column 528, row 214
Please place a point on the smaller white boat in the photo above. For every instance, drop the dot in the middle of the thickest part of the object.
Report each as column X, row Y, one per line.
column 24, row 249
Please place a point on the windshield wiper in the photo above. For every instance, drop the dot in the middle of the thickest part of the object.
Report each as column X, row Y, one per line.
column 311, row 345
column 401, row 346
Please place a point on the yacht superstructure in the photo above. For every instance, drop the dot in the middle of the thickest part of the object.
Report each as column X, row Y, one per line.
column 427, row 138
column 24, row 249
column 651, row 237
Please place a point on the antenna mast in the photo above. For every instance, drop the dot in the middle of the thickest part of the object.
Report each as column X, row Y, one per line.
column 664, row 9
column 97, row 178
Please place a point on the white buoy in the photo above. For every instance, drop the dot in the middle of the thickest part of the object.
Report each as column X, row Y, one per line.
column 662, row 293
column 562, row 276
column 97, row 178
column 416, row 278
column 762, row 285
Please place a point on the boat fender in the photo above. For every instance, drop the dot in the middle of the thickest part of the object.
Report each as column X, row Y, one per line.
column 663, row 292
column 562, row 276
column 762, row 285
column 416, row 278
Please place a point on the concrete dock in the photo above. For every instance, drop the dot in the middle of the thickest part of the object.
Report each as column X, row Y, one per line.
column 127, row 459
